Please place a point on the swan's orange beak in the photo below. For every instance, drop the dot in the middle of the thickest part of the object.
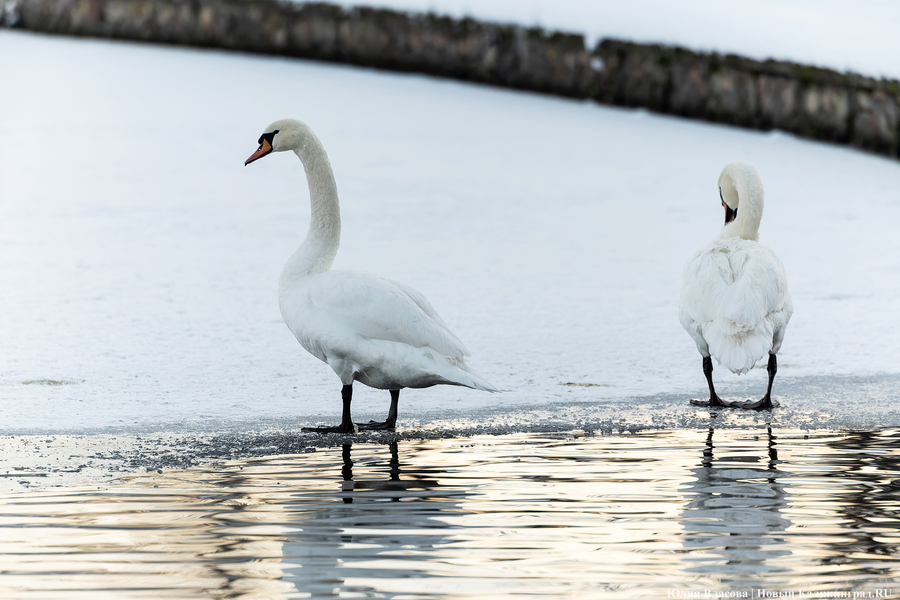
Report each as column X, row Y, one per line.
column 264, row 148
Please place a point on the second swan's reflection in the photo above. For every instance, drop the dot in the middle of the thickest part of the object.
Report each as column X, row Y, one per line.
column 734, row 526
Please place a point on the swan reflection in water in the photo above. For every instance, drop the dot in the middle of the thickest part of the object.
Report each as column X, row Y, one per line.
column 350, row 488
column 734, row 526
column 387, row 527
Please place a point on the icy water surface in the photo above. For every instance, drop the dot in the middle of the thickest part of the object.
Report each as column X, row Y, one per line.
column 746, row 513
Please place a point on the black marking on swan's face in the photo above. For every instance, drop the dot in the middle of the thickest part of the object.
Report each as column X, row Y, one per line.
column 730, row 215
column 266, row 141
column 268, row 137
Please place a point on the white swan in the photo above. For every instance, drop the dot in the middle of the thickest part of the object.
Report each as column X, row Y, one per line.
column 367, row 328
column 735, row 301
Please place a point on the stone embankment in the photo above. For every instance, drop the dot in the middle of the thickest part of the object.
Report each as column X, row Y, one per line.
column 812, row 102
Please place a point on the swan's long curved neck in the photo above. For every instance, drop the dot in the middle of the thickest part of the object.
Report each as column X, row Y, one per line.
column 316, row 254
column 749, row 210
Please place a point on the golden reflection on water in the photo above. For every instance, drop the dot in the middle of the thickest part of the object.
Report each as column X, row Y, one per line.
column 622, row 516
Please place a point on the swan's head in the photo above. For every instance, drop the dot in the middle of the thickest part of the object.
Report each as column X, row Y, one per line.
column 728, row 191
column 284, row 134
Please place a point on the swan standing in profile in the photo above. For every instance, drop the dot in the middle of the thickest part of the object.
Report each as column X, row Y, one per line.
column 367, row 328
column 735, row 302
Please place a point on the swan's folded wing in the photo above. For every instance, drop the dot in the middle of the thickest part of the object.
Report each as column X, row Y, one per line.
column 381, row 309
column 706, row 279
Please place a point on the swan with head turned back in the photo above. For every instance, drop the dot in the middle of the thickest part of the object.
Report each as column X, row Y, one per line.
column 734, row 301
column 367, row 328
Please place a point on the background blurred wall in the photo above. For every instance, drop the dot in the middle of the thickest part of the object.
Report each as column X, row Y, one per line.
column 812, row 102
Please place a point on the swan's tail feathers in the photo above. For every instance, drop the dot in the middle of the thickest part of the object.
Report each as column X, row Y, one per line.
column 480, row 383
column 464, row 376
column 743, row 307
column 738, row 352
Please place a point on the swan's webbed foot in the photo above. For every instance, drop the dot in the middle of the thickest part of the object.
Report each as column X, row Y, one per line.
column 376, row 426
column 765, row 403
column 339, row 429
column 713, row 402
column 390, row 423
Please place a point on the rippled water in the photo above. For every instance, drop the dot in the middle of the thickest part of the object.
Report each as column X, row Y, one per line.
column 648, row 515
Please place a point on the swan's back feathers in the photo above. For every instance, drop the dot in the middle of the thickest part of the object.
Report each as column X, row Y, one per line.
column 734, row 300
column 377, row 308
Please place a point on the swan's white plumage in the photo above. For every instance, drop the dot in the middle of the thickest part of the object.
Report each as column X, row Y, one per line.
column 735, row 302
column 367, row 328
column 377, row 331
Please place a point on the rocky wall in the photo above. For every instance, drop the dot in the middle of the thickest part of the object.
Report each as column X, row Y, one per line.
column 812, row 102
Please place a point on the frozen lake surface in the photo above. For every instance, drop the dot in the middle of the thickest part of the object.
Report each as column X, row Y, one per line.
column 140, row 258
column 649, row 515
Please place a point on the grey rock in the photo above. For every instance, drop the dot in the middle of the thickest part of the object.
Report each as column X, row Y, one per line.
column 732, row 97
column 826, row 111
column 875, row 125
column 779, row 102
column 690, row 86
column 634, row 75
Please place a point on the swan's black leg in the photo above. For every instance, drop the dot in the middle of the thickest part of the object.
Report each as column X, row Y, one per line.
column 391, row 419
column 346, row 425
column 714, row 400
column 347, row 473
column 395, row 467
column 765, row 403
column 772, row 368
